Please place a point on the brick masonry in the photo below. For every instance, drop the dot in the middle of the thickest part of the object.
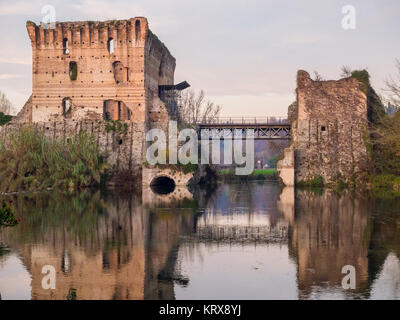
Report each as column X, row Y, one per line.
column 123, row 151
column 118, row 61
column 86, row 72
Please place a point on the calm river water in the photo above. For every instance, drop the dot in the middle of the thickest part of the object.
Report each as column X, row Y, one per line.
column 241, row 241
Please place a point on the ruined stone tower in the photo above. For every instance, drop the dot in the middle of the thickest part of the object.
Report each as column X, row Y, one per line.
column 84, row 73
column 328, row 121
column 88, row 70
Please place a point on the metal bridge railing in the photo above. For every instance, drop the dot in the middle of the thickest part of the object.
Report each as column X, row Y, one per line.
column 246, row 120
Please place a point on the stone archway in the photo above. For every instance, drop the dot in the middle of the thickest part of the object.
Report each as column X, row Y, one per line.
column 154, row 175
column 116, row 110
column 162, row 184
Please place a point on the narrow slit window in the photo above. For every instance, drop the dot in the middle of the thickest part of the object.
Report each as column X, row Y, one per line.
column 73, row 70
column 66, row 106
column 110, row 45
column 65, row 46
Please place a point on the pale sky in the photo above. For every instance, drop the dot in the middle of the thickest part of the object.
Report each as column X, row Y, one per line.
column 243, row 53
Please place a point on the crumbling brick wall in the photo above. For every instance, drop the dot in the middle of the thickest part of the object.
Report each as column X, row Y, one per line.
column 328, row 127
column 122, row 149
column 86, row 72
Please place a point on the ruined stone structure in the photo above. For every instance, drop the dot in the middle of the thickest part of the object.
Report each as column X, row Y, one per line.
column 98, row 70
column 329, row 232
column 150, row 175
column 85, row 73
column 328, row 121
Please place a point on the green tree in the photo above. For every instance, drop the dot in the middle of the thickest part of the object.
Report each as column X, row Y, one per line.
column 273, row 160
column 4, row 118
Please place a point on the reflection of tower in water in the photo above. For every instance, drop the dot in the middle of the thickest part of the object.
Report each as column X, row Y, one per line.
column 102, row 247
column 328, row 233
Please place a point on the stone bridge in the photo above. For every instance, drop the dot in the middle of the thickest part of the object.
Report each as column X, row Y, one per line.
column 165, row 176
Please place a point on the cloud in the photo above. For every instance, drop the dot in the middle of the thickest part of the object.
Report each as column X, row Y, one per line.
column 26, row 61
column 117, row 9
column 297, row 40
column 5, row 76
column 103, row 10
column 18, row 8
column 269, row 104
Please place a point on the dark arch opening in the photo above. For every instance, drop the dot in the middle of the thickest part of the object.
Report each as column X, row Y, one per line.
column 66, row 106
column 119, row 72
column 137, row 30
column 73, row 70
column 65, row 46
column 162, row 185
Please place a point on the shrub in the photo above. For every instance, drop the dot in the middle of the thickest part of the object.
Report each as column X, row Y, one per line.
column 116, row 126
column 29, row 161
column 7, row 216
column 4, row 118
column 387, row 181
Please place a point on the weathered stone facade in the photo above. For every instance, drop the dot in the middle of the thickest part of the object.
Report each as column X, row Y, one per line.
column 285, row 167
column 328, row 122
column 123, row 150
column 84, row 73
column 149, row 174
column 98, row 70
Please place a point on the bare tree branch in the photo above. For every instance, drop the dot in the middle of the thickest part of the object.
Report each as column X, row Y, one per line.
column 317, row 76
column 393, row 86
column 346, row 72
column 5, row 105
column 194, row 109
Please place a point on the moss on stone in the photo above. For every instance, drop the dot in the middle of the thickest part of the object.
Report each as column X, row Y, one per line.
column 316, row 182
column 116, row 126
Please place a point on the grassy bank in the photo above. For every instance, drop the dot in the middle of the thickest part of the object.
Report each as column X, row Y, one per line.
column 29, row 161
column 257, row 174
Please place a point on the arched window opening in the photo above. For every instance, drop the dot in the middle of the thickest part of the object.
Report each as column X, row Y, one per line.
column 65, row 46
column 73, row 70
column 137, row 30
column 119, row 73
column 115, row 110
column 110, row 45
column 66, row 106
column 162, row 185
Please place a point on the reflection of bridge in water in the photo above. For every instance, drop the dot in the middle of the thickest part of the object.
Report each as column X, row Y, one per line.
column 264, row 128
column 239, row 226
column 112, row 247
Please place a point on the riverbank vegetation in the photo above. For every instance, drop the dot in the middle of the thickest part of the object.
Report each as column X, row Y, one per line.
column 385, row 153
column 383, row 144
column 257, row 174
column 4, row 118
column 30, row 161
column 7, row 217
column 382, row 139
